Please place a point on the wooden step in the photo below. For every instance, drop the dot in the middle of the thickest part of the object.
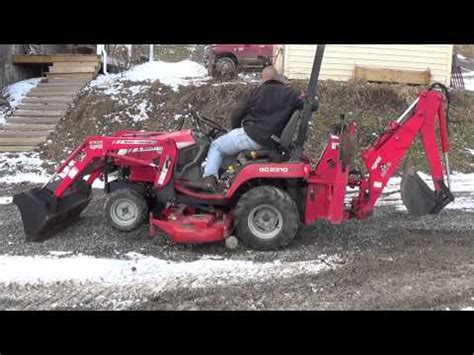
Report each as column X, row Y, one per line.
column 60, row 81
column 52, row 58
column 28, row 127
column 61, row 85
column 76, row 64
column 27, row 134
column 69, row 76
column 16, row 141
column 47, row 100
column 17, row 148
column 57, row 89
column 72, row 69
column 34, row 120
column 44, row 106
column 76, row 58
column 39, row 113
column 43, row 93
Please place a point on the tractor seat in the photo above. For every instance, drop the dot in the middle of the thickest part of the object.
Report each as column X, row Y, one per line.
column 285, row 140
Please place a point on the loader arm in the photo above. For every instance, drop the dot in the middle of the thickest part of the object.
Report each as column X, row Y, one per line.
column 96, row 149
column 49, row 208
column 383, row 157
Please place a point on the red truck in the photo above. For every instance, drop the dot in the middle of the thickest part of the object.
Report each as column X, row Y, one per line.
column 227, row 60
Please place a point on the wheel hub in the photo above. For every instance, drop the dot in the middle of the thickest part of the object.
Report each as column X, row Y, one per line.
column 265, row 221
column 124, row 212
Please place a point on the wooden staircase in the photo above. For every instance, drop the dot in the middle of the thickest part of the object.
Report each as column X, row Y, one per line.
column 43, row 107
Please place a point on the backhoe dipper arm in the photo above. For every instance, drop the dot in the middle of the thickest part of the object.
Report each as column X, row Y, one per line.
column 383, row 158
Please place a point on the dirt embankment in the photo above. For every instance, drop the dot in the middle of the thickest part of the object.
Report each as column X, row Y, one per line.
column 152, row 106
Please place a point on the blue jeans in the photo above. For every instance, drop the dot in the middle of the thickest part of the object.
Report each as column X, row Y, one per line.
column 226, row 148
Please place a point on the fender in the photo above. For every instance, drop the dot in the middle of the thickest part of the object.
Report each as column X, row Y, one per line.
column 297, row 170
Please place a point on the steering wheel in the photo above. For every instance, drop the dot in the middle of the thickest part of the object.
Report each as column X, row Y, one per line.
column 200, row 119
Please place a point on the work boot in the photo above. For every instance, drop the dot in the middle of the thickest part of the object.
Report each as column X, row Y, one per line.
column 207, row 184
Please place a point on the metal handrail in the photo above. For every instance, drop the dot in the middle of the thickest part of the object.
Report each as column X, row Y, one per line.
column 103, row 53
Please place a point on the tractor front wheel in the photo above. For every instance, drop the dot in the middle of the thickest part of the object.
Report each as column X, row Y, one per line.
column 126, row 210
column 266, row 218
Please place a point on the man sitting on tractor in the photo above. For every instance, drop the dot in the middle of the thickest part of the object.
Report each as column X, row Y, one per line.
column 262, row 114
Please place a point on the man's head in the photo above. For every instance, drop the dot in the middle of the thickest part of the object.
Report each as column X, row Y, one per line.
column 270, row 73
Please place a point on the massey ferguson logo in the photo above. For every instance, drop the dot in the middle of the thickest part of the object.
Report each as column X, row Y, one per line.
column 96, row 145
column 268, row 169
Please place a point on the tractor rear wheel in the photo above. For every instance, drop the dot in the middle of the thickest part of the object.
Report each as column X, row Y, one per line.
column 126, row 210
column 266, row 218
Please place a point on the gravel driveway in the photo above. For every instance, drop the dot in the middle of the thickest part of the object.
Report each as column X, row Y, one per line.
column 391, row 261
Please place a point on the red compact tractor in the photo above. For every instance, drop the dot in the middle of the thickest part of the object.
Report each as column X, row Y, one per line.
column 264, row 198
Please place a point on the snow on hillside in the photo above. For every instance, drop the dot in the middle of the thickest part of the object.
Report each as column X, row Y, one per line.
column 14, row 93
column 468, row 79
column 171, row 74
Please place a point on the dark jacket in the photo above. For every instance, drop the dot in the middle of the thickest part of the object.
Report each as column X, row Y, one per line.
column 265, row 111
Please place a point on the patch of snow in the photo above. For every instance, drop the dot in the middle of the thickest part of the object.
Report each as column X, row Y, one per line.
column 471, row 151
column 462, row 187
column 460, row 56
column 250, row 77
column 22, row 167
column 137, row 89
column 14, row 93
column 142, row 115
column 171, row 74
column 468, row 79
column 467, row 309
column 3, row 113
column 140, row 269
column 60, row 253
column 5, row 200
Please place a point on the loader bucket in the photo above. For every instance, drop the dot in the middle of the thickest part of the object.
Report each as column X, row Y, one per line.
column 43, row 214
column 417, row 196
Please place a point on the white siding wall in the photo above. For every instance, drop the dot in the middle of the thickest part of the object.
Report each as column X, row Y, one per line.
column 339, row 60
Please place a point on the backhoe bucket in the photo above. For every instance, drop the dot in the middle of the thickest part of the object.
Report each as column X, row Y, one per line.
column 417, row 196
column 43, row 214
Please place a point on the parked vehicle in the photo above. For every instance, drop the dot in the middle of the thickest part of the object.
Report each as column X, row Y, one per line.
column 225, row 61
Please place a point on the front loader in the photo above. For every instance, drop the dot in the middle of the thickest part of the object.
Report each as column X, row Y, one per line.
column 265, row 195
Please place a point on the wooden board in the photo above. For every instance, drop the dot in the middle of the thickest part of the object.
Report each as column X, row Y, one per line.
column 73, row 69
column 48, row 59
column 76, row 64
column 16, row 141
column 13, row 148
column 34, row 120
column 28, row 127
column 69, row 76
column 47, row 100
column 39, row 113
column 392, row 75
column 23, row 134
column 43, row 106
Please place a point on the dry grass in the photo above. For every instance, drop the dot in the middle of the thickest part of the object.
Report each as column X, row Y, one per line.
column 363, row 102
column 466, row 50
